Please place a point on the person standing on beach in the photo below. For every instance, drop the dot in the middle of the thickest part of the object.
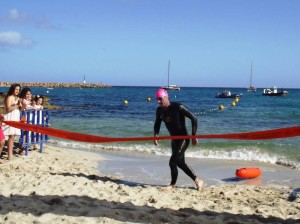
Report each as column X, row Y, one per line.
column 38, row 102
column 174, row 114
column 2, row 137
column 25, row 98
column 12, row 105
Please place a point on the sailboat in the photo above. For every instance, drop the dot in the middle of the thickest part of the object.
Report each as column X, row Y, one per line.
column 170, row 87
column 251, row 88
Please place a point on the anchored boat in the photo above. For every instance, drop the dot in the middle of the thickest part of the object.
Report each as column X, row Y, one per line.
column 170, row 87
column 251, row 88
column 228, row 94
column 274, row 92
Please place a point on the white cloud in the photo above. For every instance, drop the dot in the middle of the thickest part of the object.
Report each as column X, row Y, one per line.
column 15, row 17
column 14, row 39
column 14, row 14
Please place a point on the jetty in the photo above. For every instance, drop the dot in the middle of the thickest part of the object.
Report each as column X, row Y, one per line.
column 56, row 84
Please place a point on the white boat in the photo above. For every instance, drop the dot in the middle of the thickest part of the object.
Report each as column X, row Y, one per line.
column 227, row 94
column 274, row 92
column 251, row 88
column 170, row 87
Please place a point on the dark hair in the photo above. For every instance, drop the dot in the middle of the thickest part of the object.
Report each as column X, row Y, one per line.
column 24, row 91
column 38, row 97
column 11, row 90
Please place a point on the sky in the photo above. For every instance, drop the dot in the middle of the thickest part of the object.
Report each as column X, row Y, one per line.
column 210, row 43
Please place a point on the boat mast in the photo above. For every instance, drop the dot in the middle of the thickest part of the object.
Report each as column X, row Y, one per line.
column 169, row 73
column 251, row 75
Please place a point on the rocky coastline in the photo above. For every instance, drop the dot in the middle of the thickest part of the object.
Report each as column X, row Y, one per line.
column 56, row 84
column 46, row 103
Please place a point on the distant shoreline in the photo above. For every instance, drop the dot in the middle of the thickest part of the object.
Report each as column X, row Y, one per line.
column 57, row 84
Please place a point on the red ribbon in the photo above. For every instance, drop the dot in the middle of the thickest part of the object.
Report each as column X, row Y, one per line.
column 258, row 135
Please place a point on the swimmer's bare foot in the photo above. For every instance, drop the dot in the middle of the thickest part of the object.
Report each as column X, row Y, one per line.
column 169, row 187
column 199, row 183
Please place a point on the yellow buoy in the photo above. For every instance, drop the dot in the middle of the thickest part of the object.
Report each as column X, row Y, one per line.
column 221, row 107
column 233, row 104
column 236, row 100
column 148, row 99
column 125, row 102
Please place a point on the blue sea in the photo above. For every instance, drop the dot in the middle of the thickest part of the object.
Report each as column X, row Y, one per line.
column 103, row 112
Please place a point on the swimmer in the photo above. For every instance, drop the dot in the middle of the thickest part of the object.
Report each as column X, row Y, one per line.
column 174, row 114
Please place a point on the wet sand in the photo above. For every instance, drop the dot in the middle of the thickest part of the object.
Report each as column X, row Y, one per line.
column 154, row 170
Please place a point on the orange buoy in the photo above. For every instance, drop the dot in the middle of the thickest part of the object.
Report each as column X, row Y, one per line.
column 248, row 173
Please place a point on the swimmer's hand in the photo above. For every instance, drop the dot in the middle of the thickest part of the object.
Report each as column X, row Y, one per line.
column 155, row 142
column 194, row 141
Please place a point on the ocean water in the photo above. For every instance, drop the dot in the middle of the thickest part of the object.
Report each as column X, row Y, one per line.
column 102, row 112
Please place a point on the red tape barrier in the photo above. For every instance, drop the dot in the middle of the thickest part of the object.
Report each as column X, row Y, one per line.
column 259, row 135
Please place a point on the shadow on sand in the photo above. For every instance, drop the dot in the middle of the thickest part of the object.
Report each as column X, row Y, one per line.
column 70, row 205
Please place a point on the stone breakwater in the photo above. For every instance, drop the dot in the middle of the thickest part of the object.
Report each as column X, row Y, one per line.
column 56, row 85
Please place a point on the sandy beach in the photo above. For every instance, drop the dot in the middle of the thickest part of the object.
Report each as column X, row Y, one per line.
column 66, row 186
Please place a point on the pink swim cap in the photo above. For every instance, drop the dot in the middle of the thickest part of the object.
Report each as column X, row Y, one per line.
column 160, row 93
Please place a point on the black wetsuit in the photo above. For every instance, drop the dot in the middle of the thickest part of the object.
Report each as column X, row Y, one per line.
column 174, row 118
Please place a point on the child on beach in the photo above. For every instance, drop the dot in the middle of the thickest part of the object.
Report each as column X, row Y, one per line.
column 25, row 97
column 38, row 102
column 33, row 103
column 2, row 137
